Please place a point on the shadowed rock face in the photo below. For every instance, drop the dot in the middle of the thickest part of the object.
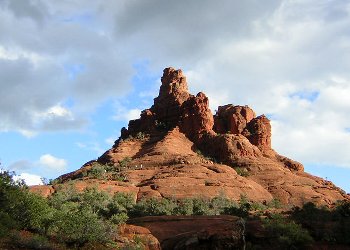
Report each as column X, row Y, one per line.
column 195, row 232
column 165, row 161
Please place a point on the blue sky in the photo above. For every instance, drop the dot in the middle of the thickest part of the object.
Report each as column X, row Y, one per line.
column 73, row 73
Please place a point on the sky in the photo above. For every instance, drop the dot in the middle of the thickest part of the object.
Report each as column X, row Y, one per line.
column 73, row 73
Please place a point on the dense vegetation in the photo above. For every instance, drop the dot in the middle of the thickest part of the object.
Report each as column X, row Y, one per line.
column 74, row 219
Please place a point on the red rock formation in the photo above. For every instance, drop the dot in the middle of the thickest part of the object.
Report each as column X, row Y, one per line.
column 167, row 109
column 172, row 94
column 232, row 119
column 131, row 233
column 195, row 232
column 43, row 190
column 290, row 164
column 196, row 116
column 258, row 132
column 166, row 162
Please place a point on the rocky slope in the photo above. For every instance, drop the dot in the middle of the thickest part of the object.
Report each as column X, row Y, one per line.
column 178, row 148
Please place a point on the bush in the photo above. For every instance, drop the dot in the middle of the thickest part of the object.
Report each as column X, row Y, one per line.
column 79, row 225
column 64, row 194
column 153, row 207
column 287, row 233
column 325, row 224
column 120, row 203
column 140, row 136
column 189, row 206
column 242, row 172
column 125, row 162
column 21, row 209
column 119, row 218
column 6, row 223
column 274, row 203
column 184, row 207
column 208, row 158
column 29, row 241
column 201, row 206
column 97, row 171
column 95, row 200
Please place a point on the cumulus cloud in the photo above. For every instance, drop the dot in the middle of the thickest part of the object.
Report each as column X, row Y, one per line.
column 47, row 166
column 126, row 115
column 288, row 59
column 29, row 179
column 52, row 162
column 37, row 62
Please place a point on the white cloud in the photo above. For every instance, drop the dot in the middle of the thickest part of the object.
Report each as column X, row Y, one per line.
column 266, row 54
column 33, row 59
column 52, row 163
column 126, row 115
column 29, row 179
column 47, row 166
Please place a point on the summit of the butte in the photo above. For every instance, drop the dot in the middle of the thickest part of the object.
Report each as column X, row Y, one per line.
column 179, row 149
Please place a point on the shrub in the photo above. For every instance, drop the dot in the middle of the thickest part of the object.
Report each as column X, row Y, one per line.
column 200, row 154
column 161, row 126
column 6, row 223
column 119, row 177
column 64, row 194
column 287, row 233
column 94, row 199
column 257, row 206
column 97, row 171
column 201, row 206
column 125, row 162
column 79, row 225
column 29, row 241
column 184, row 207
column 34, row 212
column 325, row 224
column 19, row 208
column 140, row 136
column 236, row 211
column 242, row 172
column 274, row 203
column 120, row 203
column 219, row 203
column 154, row 207
column 119, row 218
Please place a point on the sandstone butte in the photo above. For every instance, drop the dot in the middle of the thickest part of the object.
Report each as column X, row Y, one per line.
column 178, row 148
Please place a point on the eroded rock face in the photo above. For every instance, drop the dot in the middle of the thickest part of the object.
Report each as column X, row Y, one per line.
column 131, row 233
column 232, row 119
column 196, row 116
column 229, row 148
column 172, row 94
column 175, row 106
column 43, row 190
column 290, row 164
column 167, row 109
column 258, row 132
column 195, row 232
